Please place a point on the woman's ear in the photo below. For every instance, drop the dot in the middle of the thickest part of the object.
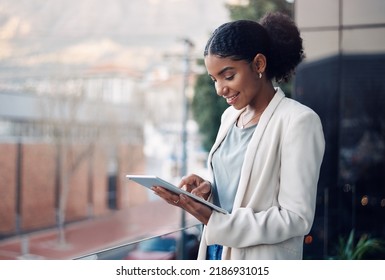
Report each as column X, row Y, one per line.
column 259, row 63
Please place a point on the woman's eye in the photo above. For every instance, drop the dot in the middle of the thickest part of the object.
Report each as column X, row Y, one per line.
column 229, row 78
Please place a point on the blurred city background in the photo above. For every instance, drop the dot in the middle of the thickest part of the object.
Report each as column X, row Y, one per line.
column 92, row 90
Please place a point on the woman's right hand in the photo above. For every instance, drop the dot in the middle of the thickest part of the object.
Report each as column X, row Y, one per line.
column 196, row 185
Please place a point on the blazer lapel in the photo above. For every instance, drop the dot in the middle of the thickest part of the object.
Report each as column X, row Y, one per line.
column 253, row 146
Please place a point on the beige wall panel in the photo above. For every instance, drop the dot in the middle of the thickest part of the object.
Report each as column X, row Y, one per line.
column 316, row 13
column 319, row 45
column 364, row 40
column 363, row 12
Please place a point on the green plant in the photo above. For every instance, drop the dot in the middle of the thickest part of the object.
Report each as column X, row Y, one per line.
column 349, row 250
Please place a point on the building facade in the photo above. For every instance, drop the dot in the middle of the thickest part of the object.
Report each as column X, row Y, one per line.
column 342, row 79
column 65, row 146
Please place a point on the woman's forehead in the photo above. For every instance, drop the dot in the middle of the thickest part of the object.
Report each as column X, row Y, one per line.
column 216, row 65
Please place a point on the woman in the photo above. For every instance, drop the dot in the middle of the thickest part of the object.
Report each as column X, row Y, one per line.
column 266, row 159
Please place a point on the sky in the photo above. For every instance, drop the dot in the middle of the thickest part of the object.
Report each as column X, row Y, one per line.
column 65, row 33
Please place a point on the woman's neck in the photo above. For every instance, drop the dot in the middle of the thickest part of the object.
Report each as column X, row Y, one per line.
column 263, row 100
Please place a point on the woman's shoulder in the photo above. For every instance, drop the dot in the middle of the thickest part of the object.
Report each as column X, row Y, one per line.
column 291, row 106
column 290, row 109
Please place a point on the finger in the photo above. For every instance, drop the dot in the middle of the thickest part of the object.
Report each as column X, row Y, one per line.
column 185, row 181
column 203, row 190
column 170, row 197
column 191, row 180
column 162, row 192
column 176, row 201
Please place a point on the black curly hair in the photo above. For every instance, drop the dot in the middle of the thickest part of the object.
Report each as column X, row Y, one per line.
column 276, row 37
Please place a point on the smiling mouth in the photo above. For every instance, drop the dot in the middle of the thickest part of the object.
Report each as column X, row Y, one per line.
column 231, row 98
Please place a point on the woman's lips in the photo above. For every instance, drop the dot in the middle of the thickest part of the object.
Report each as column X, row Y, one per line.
column 232, row 99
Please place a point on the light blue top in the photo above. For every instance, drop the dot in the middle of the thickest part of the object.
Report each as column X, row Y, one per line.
column 227, row 163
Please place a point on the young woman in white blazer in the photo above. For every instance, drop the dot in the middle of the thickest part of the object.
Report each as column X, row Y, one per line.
column 266, row 159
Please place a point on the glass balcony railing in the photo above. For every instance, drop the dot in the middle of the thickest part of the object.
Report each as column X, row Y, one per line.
column 181, row 244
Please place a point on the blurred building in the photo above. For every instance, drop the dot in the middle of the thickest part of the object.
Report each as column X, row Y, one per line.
column 342, row 79
column 87, row 96
column 66, row 144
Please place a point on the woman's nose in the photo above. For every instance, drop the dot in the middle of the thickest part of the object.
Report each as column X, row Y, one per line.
column 221, row 89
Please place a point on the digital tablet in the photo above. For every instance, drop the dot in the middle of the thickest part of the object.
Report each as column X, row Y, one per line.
column 149, row 181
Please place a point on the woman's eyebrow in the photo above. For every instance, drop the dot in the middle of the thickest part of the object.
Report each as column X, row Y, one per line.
column 224, row 70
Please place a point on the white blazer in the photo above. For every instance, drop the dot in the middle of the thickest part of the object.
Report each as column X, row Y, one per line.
column 275, row 202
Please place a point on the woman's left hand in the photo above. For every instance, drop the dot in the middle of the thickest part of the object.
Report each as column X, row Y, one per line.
column 195, row 208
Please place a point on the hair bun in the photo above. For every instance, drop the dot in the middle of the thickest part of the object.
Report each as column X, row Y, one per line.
column 286, row 50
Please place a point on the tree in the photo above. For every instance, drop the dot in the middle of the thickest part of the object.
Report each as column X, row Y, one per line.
column 255, row 9
column 61, row 107
column 207, row 106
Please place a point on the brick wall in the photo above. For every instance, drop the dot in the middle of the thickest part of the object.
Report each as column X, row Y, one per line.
column 87, row 185
column 99, row 182
column 130, row 162
column 37, row 186
column 7, row 188
column 78, row 184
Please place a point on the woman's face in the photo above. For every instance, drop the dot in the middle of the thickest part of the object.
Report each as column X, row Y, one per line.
column 236, row 81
